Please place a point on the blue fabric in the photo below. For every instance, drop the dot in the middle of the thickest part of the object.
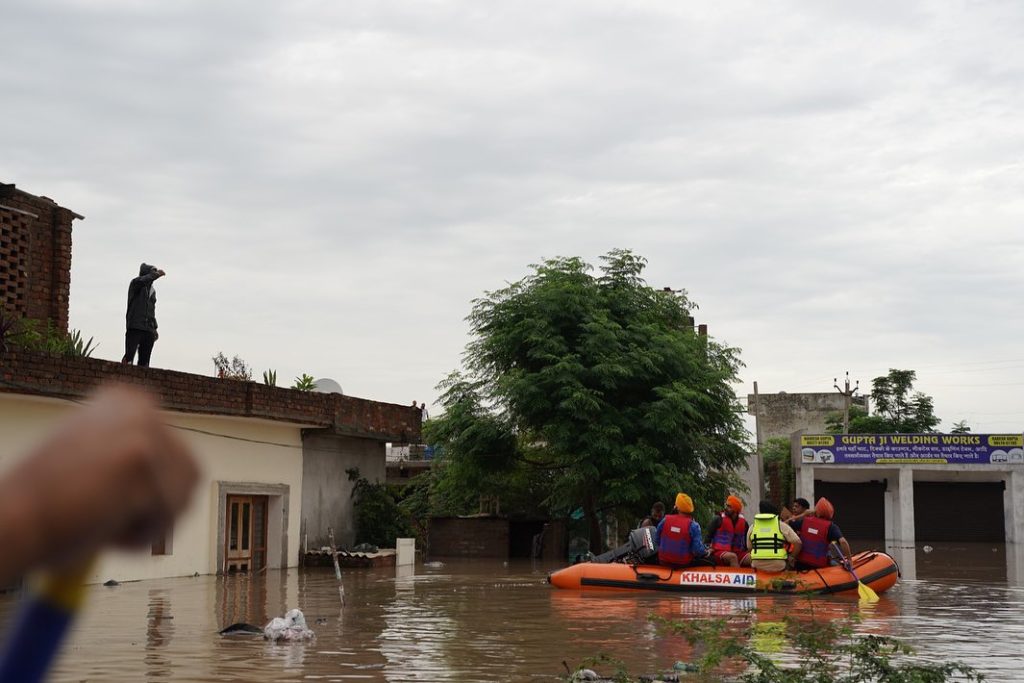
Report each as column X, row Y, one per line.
column 33, row 642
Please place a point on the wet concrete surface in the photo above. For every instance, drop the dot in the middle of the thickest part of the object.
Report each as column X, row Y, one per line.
column 488, row 621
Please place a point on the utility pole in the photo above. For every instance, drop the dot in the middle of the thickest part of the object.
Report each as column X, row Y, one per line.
column 760, row 448
column 847, row 399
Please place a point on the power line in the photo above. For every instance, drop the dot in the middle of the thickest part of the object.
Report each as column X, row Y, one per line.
column 991, row 384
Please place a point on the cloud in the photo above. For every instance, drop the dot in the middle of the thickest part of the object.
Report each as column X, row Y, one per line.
column 329, row 184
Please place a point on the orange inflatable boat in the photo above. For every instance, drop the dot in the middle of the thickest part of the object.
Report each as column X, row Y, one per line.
column 876, row 569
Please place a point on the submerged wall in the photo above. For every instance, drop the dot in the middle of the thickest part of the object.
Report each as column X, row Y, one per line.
column 327, row 492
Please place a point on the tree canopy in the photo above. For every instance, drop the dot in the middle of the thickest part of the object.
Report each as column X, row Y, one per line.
column 898, row 409
column 592, row 391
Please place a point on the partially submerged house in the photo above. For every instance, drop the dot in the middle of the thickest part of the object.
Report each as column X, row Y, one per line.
column 273, row 460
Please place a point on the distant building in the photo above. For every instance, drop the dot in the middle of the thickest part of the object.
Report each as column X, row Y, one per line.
column 781, row 414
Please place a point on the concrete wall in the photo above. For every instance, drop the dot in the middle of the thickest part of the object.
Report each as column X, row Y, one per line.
column 327, row 491
column 228, row 453
column 779, row 415
column 752, row 476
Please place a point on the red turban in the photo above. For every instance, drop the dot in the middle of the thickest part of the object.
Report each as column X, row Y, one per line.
column 824, row 509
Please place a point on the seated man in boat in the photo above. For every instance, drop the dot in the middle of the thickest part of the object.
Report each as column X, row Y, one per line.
column 799, row 509
column 728, row 534
column 657, row 512
column 817, row 532
column 678, row 535
column 773, row 544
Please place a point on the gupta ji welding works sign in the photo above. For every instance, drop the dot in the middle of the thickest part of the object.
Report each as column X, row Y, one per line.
column 912, row 449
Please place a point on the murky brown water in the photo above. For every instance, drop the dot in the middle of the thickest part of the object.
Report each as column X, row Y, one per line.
column 485, row 621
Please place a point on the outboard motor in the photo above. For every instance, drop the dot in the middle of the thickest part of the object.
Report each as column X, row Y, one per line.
column 643, row 542
column 639, row 547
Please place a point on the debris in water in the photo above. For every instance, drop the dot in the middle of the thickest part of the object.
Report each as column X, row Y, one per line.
column 365, row 548
column 292, row 628
column 111, row 582
column 241, row 628
column 927, row 548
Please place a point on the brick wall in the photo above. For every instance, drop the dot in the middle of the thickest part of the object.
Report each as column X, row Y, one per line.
column 35, row 256
column 468, row 537
column 46, row 374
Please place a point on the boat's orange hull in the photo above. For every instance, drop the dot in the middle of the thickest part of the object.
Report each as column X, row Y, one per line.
column 876, row 569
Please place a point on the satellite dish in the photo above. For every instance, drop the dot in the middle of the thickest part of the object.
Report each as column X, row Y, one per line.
column 327, row 386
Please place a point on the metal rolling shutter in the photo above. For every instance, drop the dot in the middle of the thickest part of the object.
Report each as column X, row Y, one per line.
column 860, row 507
column 970, row 511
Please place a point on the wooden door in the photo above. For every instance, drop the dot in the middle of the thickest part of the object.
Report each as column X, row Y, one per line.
column 245, row 535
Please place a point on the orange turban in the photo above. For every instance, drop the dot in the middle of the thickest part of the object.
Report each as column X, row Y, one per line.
column 735, row 503
column 824, row 509
column 684, row 503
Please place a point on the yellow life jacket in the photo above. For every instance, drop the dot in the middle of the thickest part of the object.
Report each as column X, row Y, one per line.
column 766, row 539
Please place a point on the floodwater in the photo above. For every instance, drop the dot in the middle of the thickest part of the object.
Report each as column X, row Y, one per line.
column 491, row 621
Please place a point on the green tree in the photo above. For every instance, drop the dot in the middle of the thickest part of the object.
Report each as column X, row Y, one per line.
column 960, row 427
column 590, row 391
column 898, row 409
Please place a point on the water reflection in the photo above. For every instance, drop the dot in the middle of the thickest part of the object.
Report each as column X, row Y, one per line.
column 159, row 632
column 975, row 562
column 484, row 621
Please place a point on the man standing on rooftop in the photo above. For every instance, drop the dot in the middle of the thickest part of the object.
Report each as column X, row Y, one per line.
column 141, row 316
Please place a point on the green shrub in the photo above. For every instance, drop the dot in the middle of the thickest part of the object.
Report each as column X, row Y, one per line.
column 379, row 520
column 744, row 649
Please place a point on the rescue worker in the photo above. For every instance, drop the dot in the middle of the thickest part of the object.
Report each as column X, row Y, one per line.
column 678, row 535
column 773, row 544
column 817, row 532
column 728, row 534
column 657, row 512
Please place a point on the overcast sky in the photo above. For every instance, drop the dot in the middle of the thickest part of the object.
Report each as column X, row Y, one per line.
column 329, row 184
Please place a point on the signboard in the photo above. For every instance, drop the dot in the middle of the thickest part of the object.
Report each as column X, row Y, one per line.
column 912, row 449
column 718, row 579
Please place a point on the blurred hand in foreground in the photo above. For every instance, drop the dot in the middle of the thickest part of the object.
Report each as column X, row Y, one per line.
column 111, row 474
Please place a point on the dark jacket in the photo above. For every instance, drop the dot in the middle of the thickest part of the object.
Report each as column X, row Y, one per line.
column 142, row 300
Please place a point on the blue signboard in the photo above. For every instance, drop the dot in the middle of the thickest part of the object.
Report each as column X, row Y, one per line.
column 912, row 449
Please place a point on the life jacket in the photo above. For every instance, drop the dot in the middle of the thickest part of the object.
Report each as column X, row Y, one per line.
column 674, row 541
column 731, row 536
column 766, row 539
column 814, row 535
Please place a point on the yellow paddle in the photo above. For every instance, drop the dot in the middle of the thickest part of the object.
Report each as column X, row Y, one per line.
column 867, row 594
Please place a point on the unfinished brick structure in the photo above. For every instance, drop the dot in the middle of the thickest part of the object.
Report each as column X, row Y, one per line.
column 35, row 257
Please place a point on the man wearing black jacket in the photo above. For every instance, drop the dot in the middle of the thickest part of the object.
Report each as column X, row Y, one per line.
column 141, row 316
